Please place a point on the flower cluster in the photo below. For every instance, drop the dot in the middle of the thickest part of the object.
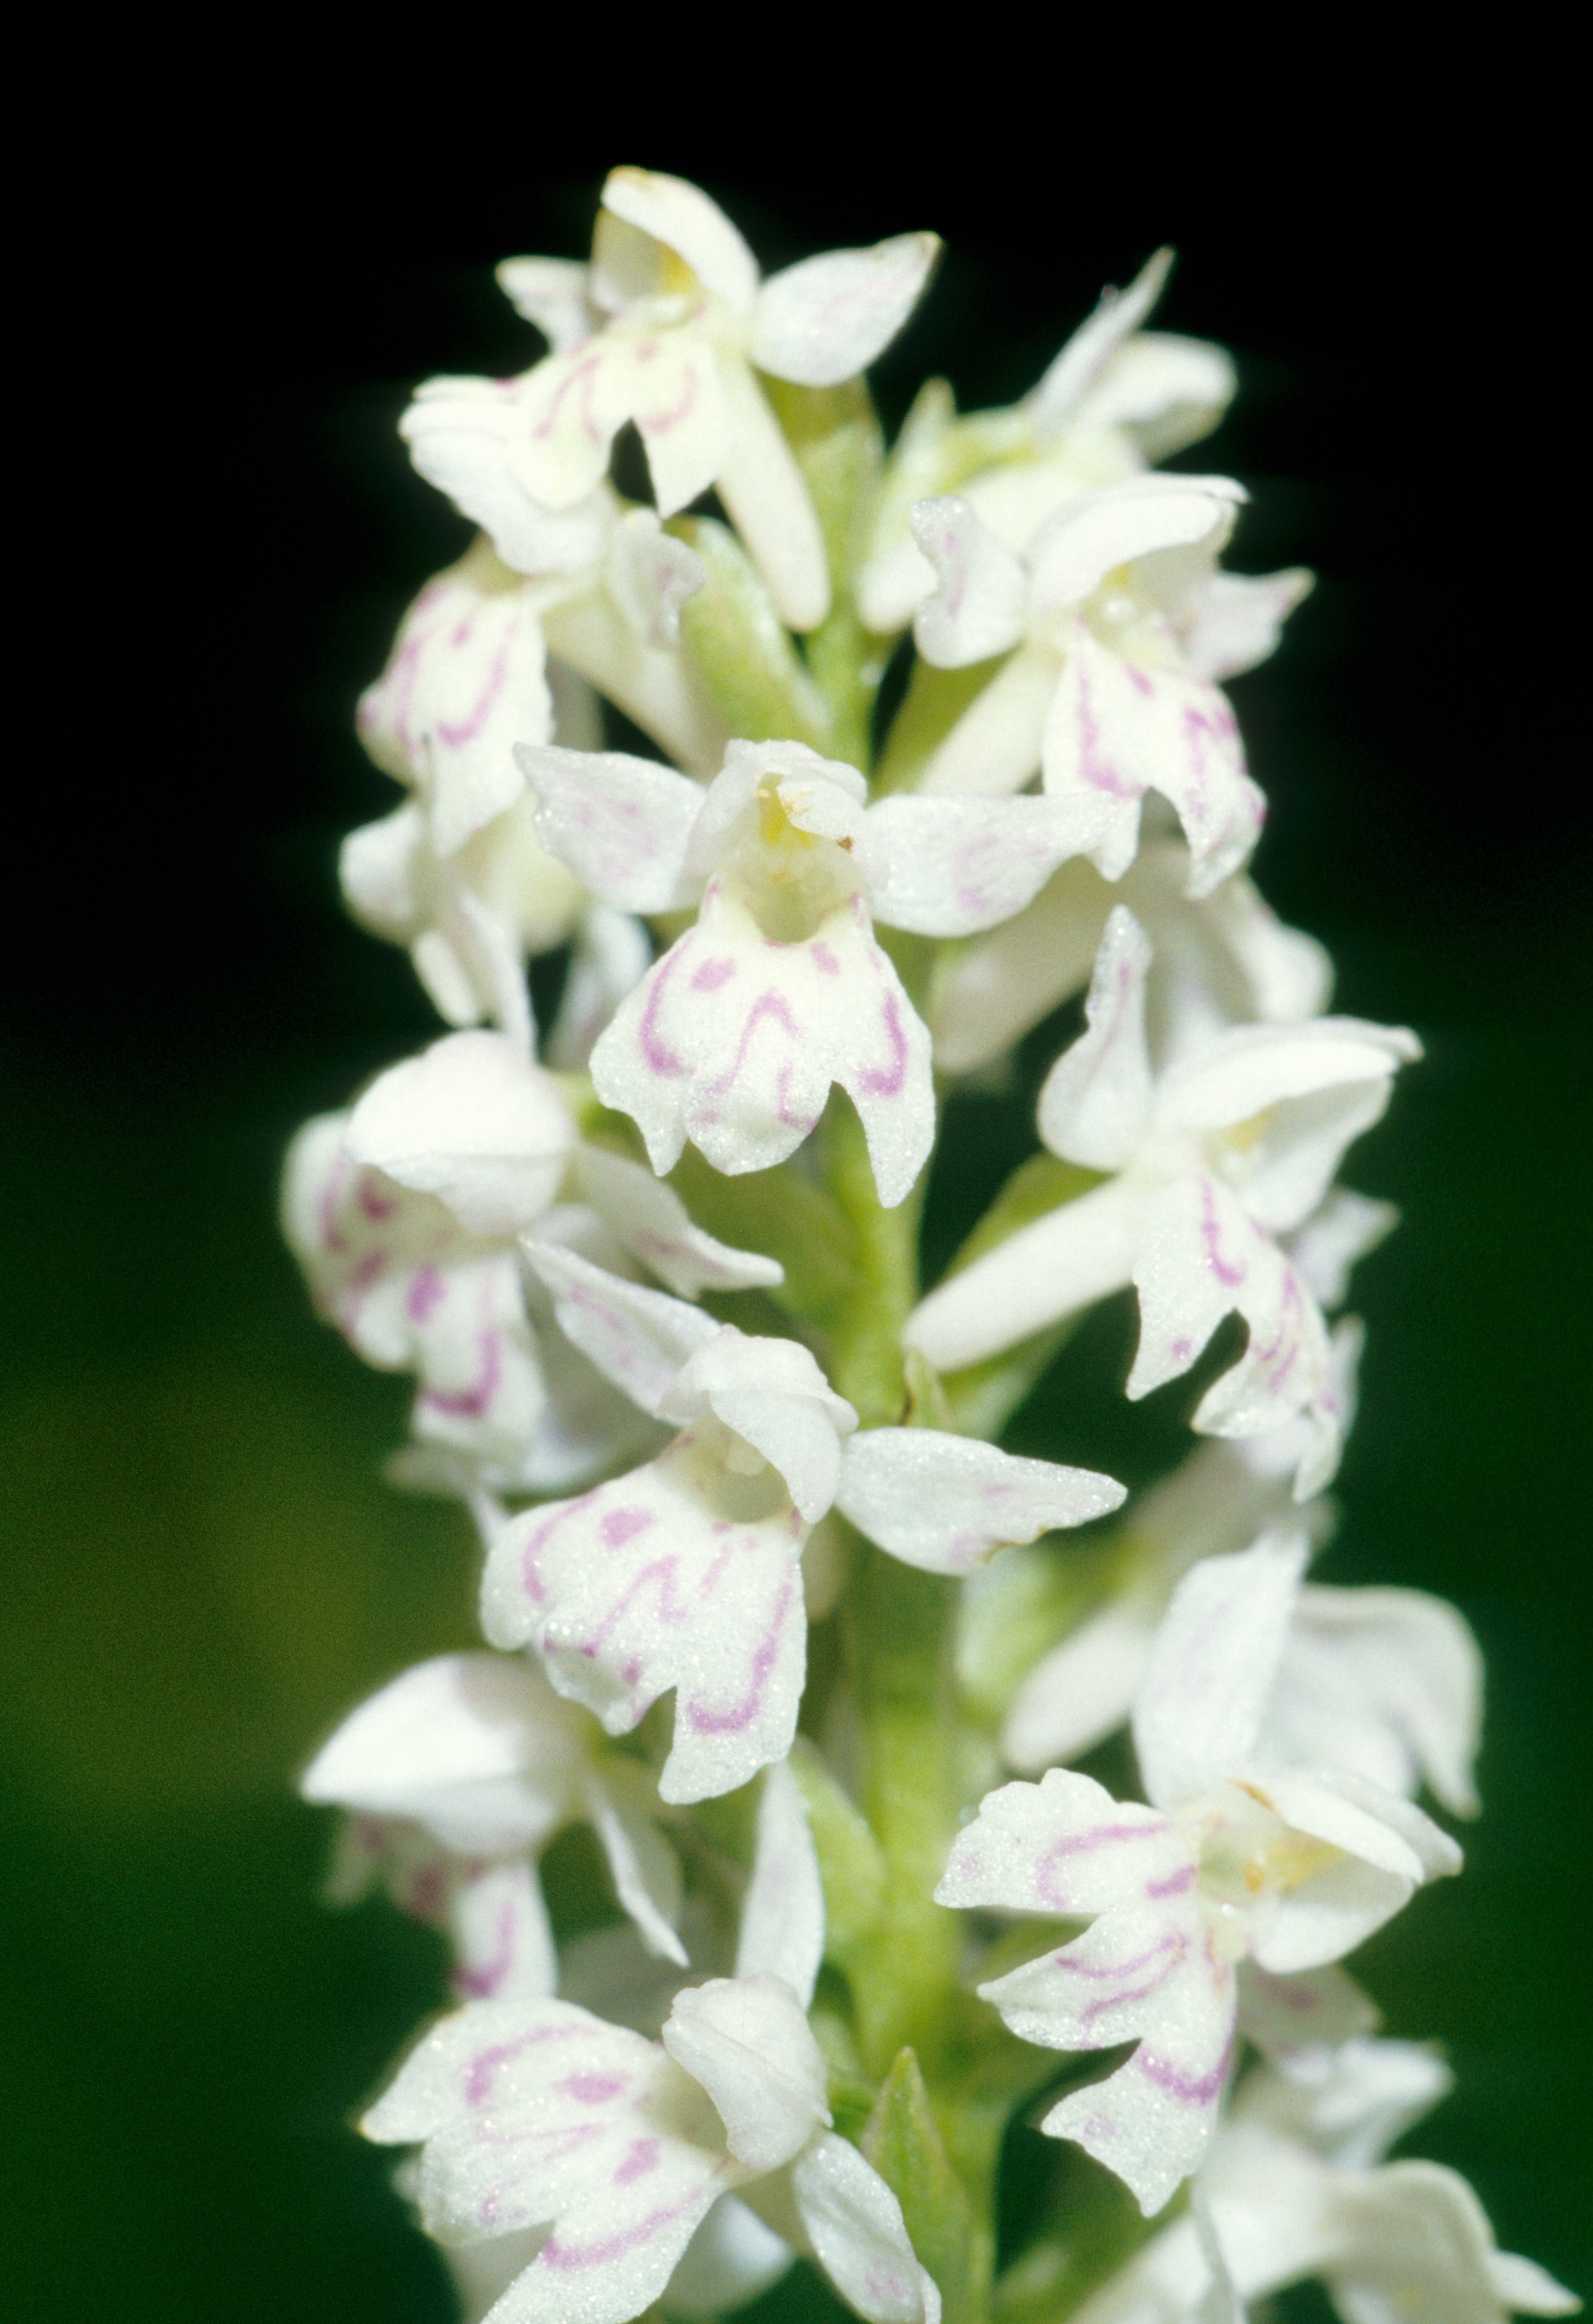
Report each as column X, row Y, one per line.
column 653, row 1270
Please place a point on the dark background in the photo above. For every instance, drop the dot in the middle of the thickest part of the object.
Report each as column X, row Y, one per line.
column 204, row 1568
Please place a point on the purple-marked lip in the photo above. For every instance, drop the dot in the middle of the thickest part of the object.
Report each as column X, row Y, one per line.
column 426, row 1288
column 656, row 1053
column 712, row 974
column 485, row 2065
column 472, row 1403
column 1175, row 1883
column 768, row 1005
column 570, row 2257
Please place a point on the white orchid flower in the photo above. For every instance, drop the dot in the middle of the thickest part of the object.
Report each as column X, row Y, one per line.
column 1225, row 960
column 665, row 329
column 1295, row 2187
column 733, row 1039
column 456, row 1774
column 1229, row 1864
column 1114, row 398
column 536, row 2113
column 582, row 2168
column 685, row 1573
column 1386, row 1683
column 456, row 873
column 1230, row 1148
column 405, row 1214
column 1115, row 628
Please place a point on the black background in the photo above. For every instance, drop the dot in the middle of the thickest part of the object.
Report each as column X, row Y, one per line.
column 206, row 1571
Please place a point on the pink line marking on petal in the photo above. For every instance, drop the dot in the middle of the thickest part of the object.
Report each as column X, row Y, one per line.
column 1227, row 1271
column 485, row 2065
column 1048, row 1882
column 768, row 1005
column 877, row 1080
column 621, row 1526
column 465, row 730
column 1176, row 1885
column 1190, row 2089
column 426, row 1288
column 641, row 2159
column 656, row 1053
column 742, row 1714
column 823, row 958
column 568, row 2258
column 712, row 974
column 481, row 1982
column 372, row 1201
column 591, row 2089
column 1095, row 769
column 471, row 1403
column 530, row 1573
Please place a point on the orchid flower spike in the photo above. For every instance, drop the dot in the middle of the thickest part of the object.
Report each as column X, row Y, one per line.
column 1115, row 628
column 1230, row 1867
column 665, row 329
column 685, row 1573
column 733, row 1039
column 455, row 1777
column 1215, row 1159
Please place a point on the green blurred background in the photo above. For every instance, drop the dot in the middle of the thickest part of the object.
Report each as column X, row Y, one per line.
column 203, row 1569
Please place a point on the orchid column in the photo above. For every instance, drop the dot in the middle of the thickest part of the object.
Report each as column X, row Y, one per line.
column 764, row 1603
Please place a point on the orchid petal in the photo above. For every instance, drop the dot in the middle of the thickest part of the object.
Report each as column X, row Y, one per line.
column 1065, row 1260
column 464, row 682
column 782, row 1911
column 644, row 1869
column 637, row 1338
column 980, row 605
column 1063, row 1846
column 1095, row 1104
column 680, row 410
column 1343, row 1229
column 1081, row 1691
column 947, row 867
column 1299, row 2022
column 1417, row 2243
column 1162, row 391
column 680, row 215
column 1015, row 975
column 652, row 1583
column 1089, row 537
column 653, row 1224
column 550, row 293
column 746, row 2039
column 773, row 1395
column 855, row 2225
column 1117, row 729
column 1152, row 2121
column 503, row 1941
column 733, row 1041
column 621, row 824
column 1237, row 620
column 474, row 1122
column 1074, row 372
column 462, row 434
column 536, row 2111
column 767, row 498
column 826, row 318
column 731, row 2258
column 1385, row 1683
column 475, row 1747
column 996, row 745
column 1213, row 1668
column 945, row 1503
